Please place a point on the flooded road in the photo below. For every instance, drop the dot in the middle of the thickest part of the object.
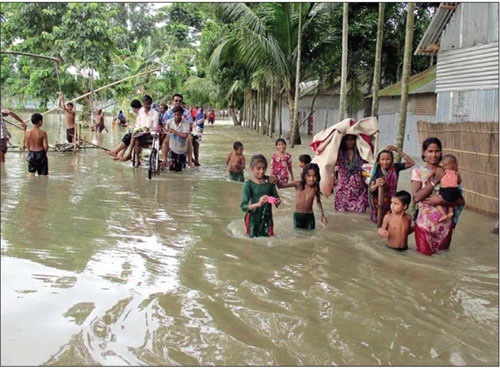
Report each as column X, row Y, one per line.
column 101, row 266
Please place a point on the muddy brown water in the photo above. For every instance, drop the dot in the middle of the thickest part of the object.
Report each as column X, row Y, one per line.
column 101, row 266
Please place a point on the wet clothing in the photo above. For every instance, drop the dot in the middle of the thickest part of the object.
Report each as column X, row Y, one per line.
column 304, row 220
column 177, row 161
column 352, row 192
column 38, row 162
column 281, row 166
column 390, row 187
column 258, row 222
column 237, row 176
column 127, row 138
column 430, row 235
column 70, row 134
column 176, row 143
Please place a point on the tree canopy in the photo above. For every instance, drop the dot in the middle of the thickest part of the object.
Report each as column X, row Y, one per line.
column 214, row 53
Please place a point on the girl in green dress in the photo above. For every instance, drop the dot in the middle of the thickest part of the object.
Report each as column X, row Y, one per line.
column 258, row 196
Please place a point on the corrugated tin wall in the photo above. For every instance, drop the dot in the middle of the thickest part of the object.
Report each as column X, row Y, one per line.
column 461, row 106
column 468, row 69
column 472, row 24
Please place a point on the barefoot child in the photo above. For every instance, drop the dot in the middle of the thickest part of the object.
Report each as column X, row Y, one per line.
column 37, row 143
column 396, row 225
column 448, row 186
column 306, row 190
column 258, row 195
column 235, row 162
column 281, row 162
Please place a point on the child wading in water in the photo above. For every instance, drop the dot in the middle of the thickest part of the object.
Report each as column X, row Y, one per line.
column 448, row 186
column 304, row 160
column 235, row 162
column 396, row 225
column 281, row 162
column 37, row 143
column 258, row 195
column 385, row 174
column 306, row 190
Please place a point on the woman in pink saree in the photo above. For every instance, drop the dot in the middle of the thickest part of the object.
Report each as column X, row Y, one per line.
column 430, row 235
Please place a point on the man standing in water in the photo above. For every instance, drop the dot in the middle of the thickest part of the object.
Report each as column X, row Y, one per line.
column 177, row 100
column 4, row 133
column 70, row 118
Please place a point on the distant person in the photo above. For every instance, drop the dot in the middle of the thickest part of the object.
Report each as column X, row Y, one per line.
column 4, row 132
column 36, row 141
column 99, row 125
column 396, row 225
column 145, row 125
column 304, row 160
column 281, row 162
column 385, row 174
column 448, row 187
column 179, row 134
column 211, row 117
column 122, row 119
column 117, row 152
column 235, row 162
column 306, row 190
column 69, row 108
column 258, row 196
column 178, row 100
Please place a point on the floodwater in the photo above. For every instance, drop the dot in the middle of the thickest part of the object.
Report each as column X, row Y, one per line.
column 101, row 266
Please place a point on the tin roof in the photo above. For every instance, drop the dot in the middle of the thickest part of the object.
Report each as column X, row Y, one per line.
column 430, row 42
column 424, row 82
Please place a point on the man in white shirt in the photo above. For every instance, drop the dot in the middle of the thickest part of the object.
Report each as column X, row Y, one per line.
column 179, row 132
column 145, row 125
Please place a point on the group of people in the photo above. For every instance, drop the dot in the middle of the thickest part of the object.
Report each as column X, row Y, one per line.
column 435, row 190
column 178, row 129
column 435, row 185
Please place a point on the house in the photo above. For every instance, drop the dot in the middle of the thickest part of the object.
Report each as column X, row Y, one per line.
column 464, row 38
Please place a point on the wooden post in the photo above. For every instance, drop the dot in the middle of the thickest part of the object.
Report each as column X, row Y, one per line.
column 379, row 205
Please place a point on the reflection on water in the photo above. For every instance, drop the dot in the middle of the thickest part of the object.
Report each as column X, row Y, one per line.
column 120, row 270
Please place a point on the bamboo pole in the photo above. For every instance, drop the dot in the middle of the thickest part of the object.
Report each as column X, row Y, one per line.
column 96, row 145
column 100, row 89
column 31, row 55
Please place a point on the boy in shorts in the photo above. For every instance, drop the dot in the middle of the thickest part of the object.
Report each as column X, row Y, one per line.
column 179, row 131
column 235, row 162
column 396, row 225
column 36, row 141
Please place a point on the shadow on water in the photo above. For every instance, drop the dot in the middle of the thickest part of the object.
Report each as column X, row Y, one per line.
column 121, row 270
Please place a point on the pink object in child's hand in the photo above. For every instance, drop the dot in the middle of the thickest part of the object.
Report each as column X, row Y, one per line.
column 271, row 199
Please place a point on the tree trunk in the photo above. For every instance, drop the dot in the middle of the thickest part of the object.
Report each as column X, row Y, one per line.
column 378, row 59
column 405, row 79
column 295, row 136
column 343, row 83
column 280, row 114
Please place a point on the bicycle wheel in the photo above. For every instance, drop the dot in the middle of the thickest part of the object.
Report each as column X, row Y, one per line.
column 152, row 163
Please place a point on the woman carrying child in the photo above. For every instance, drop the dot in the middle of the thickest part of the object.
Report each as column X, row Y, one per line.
column 430, row 235
column 385, row 174
column 306, row 190
column 258, row 195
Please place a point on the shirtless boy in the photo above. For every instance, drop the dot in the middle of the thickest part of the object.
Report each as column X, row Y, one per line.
column 235, row 162
column 37, row 143
column 396, row 225
column 306, row 190
column 70, row 118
